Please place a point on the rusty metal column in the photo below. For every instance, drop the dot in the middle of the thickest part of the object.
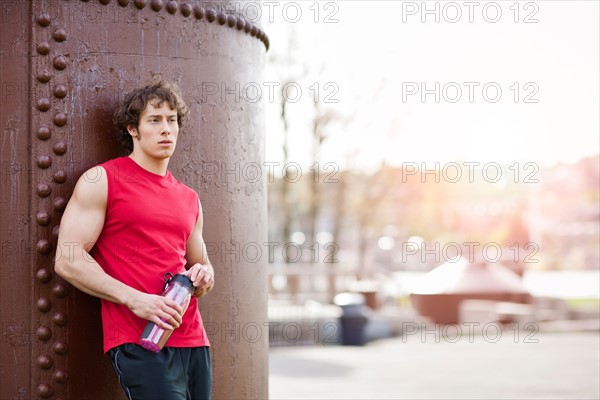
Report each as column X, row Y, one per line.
column 64, row 65
column 15, row 216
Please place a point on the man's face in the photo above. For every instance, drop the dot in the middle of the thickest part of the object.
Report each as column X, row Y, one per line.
column 156, row 134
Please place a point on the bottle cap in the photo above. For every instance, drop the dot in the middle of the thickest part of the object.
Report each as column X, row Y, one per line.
column 184, row 280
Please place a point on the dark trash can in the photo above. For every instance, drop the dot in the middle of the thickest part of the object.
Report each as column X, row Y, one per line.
column 354, row 318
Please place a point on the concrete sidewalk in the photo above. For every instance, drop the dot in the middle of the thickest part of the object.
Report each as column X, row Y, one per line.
column 516, row 365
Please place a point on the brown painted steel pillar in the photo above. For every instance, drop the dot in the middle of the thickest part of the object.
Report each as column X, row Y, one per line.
column 64, row 65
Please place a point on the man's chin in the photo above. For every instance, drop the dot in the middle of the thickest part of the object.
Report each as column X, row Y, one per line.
column 163, row 155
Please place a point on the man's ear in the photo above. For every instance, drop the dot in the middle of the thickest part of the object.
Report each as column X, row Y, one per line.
column 132, row 131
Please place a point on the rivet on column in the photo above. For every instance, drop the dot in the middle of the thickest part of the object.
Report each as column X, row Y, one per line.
column 43, row 305
column 43, row 190
column 60, row 91
column 59, row 35
column 42, row 218
column 43, row 48
column 43, row 246
column 123, row 3
column 44, row 361
column 43, row 133
column 43, row 333
column 43, row 275
column 43, row 19
column 156, row 5
column 43, row 162
column 231, row 20
column 59, row 204
column 59, row 290
column 221, row 18
column 185, row 9
column 140, row 3
column 59, row 62
column 43, row 105
column 199, row 12
column 59, row 148
column 59, row 348
column 59, row 176
column 60, row 119
column 45, row 391
column 240, row 23
column 172, row 7
column 59, row 319
column 44, row 76
column 59, row 376
column 211, row 15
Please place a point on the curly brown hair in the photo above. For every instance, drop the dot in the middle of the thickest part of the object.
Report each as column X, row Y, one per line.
column 132, row 106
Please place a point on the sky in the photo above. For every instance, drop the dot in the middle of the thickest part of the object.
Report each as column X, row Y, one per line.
column 487, row 82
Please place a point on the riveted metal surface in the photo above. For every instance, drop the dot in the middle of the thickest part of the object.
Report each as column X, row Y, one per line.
column 48, row 84
column 69, row 63
column 40, row 154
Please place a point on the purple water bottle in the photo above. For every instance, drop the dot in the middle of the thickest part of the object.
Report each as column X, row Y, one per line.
column 178, row 288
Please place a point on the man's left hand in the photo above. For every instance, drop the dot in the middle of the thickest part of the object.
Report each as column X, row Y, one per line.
column 202, row 276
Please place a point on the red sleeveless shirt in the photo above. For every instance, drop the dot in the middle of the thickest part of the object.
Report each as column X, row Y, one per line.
column 149, row 219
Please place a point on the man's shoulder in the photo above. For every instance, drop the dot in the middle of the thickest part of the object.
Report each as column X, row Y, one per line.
column 91, row 187
column 117, row 161
column 182, row 186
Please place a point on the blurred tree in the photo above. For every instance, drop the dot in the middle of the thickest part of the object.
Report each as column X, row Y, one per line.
column 290, row 71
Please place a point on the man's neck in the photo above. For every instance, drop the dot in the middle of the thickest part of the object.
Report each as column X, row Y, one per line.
column 156, row 166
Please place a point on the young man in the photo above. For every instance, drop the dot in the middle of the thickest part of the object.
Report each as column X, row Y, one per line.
column 129, row 222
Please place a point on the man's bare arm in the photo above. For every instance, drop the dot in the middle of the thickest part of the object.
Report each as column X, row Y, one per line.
column 200, row 269
column 80, row 227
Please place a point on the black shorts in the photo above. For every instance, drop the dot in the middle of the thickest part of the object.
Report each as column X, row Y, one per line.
column 172, row 374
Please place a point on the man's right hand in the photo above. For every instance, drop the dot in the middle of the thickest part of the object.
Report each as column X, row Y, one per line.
column 164, row 312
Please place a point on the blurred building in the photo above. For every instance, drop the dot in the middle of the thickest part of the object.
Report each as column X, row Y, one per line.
column 402, row 219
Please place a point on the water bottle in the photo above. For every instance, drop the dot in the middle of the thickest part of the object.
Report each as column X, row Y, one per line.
column 178, row 288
